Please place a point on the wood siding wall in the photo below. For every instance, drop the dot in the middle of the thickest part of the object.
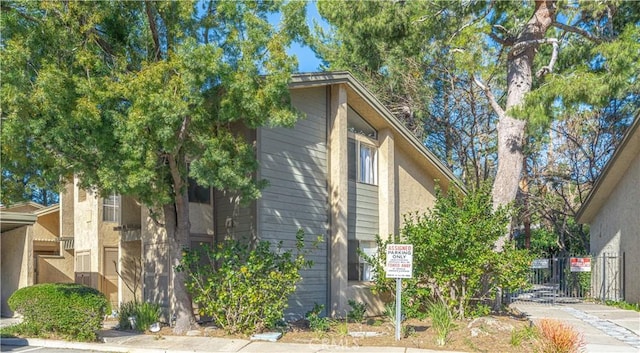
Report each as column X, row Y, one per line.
column 363, row 211
column 294, row 162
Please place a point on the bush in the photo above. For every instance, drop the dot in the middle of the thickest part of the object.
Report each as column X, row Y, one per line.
column 72, row 311
column 556, row 337
column 145, row 315
column 454, row 261
column 243, row 289
column 317, row 323
column 357, row 312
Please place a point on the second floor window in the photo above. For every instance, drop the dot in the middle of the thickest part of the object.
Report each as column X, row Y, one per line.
column 111, row 208
column 363, row 162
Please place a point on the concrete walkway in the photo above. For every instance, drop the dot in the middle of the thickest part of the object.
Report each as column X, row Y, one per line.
column 605, row 329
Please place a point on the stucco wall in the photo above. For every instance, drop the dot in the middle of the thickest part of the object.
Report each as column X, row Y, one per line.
column 616, row 228
column 67, row 197
column 16, row 269
column 415, row 187
column 56, row 269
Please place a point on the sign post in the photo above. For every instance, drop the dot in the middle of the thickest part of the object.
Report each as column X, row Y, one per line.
column 399, row 265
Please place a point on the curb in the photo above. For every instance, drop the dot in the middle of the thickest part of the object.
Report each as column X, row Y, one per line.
column 100, row 347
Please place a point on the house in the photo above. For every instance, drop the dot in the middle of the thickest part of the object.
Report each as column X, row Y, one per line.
column 348, row 172
column 612, row 209
column 32, row 250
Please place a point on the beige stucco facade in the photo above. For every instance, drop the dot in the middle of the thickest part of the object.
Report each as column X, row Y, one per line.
column 613, row 211
column 31, row 249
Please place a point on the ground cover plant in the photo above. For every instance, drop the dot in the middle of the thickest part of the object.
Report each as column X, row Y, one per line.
column 143, row 314
column 65, row 310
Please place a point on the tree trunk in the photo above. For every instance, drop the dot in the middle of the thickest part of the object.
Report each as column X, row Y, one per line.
column 511, row 131
column 181, row 305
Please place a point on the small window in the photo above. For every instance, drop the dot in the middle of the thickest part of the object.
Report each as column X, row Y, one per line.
column 197, row 193
column 367, row 164
column 111, row 209
column 362, row 165
column 359, row 269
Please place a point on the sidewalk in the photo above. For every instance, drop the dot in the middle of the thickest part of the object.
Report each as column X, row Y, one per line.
column 605, row 329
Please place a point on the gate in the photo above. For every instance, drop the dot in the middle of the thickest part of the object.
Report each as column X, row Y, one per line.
column 572, row 279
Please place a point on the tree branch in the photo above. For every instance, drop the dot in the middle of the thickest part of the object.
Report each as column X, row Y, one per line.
column 549, row 68
column 5, row 7
column 492, row 99
column 527, row 43
column 154, row 30
column 577, row 30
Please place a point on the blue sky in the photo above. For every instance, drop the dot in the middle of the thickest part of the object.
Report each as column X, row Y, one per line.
column 307, row 61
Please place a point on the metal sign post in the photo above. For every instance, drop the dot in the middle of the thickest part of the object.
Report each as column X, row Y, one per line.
column 399, row 265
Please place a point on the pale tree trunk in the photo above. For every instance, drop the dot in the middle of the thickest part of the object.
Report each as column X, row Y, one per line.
column 511, row 131
column 178, row 236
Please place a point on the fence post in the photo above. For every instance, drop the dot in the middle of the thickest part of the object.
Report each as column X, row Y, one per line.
column 604, row 276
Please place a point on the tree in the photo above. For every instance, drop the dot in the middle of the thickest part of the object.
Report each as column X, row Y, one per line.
column 535, row 61
column 136, row 97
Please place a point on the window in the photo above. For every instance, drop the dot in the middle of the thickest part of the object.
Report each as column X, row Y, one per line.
column 363, row 165
column 111, row 209
column 359, row 269
column 197, row 193
column 367, row 164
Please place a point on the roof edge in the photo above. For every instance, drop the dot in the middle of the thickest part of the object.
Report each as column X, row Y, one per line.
column 334, row 77
column 584, row 215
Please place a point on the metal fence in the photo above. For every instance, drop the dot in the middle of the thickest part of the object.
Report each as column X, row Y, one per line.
column 572, row 279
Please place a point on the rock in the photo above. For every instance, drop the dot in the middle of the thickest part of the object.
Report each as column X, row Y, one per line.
column 267, row 336
column 194, row 333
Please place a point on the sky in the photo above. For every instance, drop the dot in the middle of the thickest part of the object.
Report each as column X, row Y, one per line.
column 307, row 60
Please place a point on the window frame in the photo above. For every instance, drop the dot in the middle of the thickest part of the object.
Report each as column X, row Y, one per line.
column 111, row 202
column 371, row 144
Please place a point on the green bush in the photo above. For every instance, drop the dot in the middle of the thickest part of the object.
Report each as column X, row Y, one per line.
column 243, row 289
column 69, row 310
column 145, row 315
column 357, row 312
column 454, row 261
column 317, row 323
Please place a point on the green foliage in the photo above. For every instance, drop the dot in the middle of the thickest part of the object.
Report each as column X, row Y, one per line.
column 72, row 311
column 317, row 323
column 623, row 305
column 244, row 289
column 525, row 334
column 357, row 312
column 145, row 314
column 454, row 258
column 441, row 320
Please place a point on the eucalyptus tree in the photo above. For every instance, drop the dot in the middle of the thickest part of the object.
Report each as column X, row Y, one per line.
column 535, row 61
column 136, row 97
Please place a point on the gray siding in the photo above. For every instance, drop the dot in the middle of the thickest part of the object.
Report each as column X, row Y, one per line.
column 362, row 216
column 294, row 162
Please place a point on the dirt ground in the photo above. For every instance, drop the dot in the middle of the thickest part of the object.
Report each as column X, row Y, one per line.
column 485, row 334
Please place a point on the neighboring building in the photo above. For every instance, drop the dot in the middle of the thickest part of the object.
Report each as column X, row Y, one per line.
column 348, row 172
column 32, row 250
column 612, row 208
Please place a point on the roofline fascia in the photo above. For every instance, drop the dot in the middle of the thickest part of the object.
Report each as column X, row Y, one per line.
column 607, row 169
column 20, row 218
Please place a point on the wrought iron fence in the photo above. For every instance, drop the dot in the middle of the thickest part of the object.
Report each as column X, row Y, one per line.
column 572, row 279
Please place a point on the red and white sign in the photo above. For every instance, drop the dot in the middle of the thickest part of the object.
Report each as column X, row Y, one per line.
column 399, row 261
column 580, row 264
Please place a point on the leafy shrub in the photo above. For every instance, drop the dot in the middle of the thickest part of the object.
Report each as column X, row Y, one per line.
column 357, row 312
column 70, row 310
column 145, row 315
column 317, row 323
column 453, row 255
column 556, row 337
column 243, row 289
column 441, row 321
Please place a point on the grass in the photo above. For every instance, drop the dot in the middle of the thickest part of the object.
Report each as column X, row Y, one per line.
column 442, row 321
column 623, row 305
